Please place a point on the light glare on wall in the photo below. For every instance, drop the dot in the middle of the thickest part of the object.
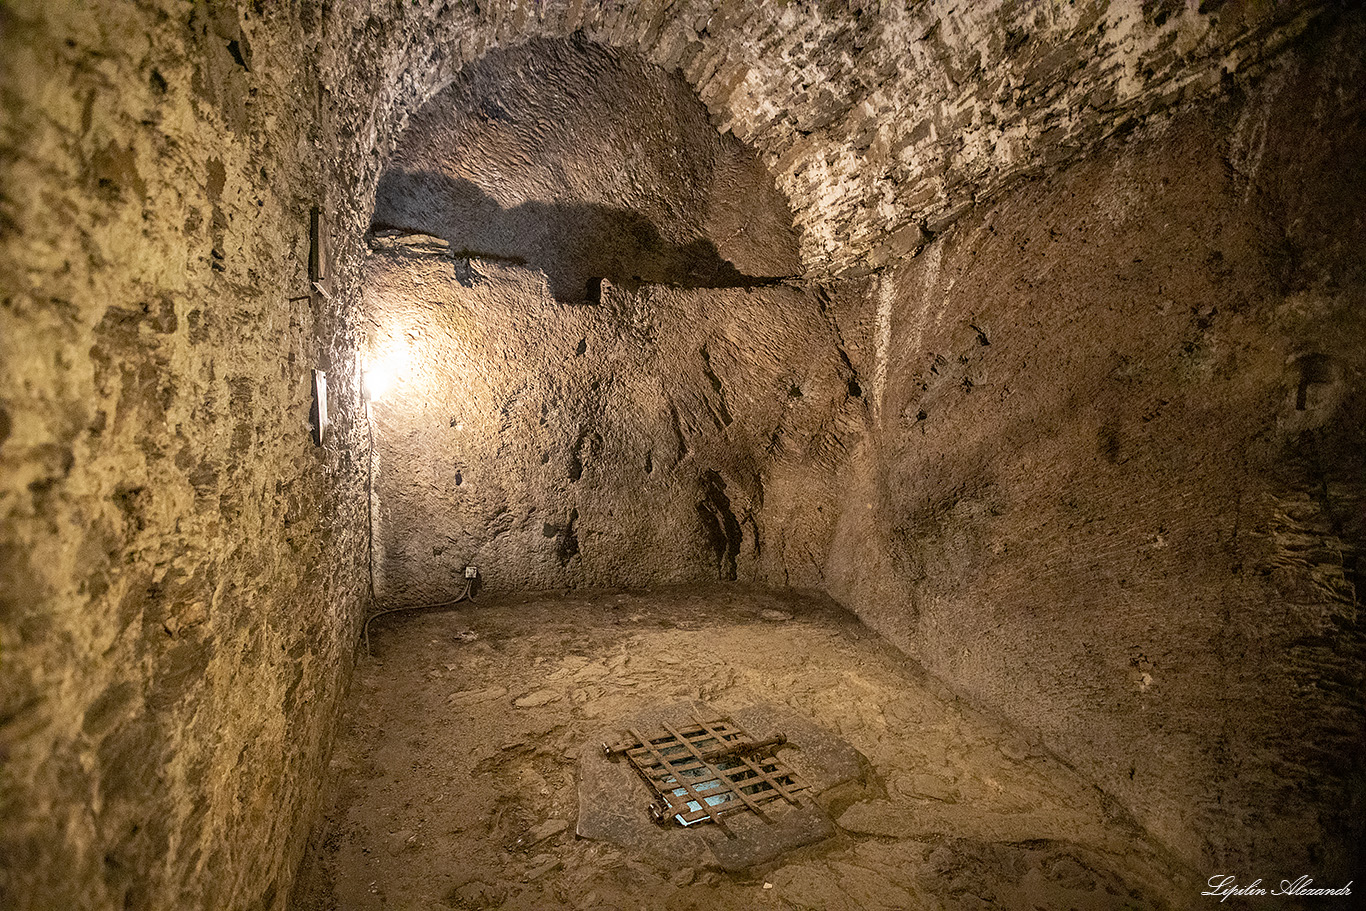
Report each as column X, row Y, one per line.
column 379, row 379
column 382, row 374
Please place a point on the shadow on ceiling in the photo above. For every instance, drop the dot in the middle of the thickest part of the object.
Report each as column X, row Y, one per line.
column 574, row 244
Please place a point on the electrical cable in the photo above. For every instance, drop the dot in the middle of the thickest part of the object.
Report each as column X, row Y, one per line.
column 369, row 510
column 466, row 595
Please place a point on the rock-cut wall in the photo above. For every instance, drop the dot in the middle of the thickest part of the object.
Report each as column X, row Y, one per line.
column 655, row 436
column 181, row 567
column 596, row 373
column 1119, row 467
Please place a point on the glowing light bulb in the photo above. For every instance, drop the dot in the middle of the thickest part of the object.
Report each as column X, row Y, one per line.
column 383, row 373
column 378, row 381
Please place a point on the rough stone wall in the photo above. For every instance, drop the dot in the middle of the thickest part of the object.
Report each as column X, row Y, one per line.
column 1119, row 468
column 620, row 409
column 884, row 121
column 181, row 568
column 659, row 435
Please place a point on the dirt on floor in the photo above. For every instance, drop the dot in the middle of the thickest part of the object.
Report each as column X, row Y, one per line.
column 454, row 779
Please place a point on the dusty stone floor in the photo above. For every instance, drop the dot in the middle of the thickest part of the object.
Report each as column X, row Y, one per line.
column 453, row 784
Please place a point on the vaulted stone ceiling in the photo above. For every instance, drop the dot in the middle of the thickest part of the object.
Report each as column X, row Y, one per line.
column 879, row 121
column 586, row 163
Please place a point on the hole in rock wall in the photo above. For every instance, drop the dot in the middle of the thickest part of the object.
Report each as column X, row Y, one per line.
column 1314, row 370
column 318, row 420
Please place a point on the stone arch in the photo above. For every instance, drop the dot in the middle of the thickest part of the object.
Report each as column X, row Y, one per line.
column 562, row 239
column 586, row 162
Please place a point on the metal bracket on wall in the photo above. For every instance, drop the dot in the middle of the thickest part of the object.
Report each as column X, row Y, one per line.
column 317, row 247
column 317, row 417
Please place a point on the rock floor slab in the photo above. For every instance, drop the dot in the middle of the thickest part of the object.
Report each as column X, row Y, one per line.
column 450, row 788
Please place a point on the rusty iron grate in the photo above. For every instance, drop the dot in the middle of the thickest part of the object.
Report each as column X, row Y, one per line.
column 707, row 770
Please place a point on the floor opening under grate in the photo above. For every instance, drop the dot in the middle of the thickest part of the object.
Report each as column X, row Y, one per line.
column 691, row 783
column 704, row 771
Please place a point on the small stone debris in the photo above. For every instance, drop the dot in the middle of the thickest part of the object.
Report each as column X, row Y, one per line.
column 539, row 697
column 777, row 616
column 470, row 697
column 928, row 787
column 542, row 864
column 548, row 829
column 477, row 894
column 1014, row 748
column 402, row 840
column 879, row 818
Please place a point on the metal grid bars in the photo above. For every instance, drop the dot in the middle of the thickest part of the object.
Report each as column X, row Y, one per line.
column 707, row 770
